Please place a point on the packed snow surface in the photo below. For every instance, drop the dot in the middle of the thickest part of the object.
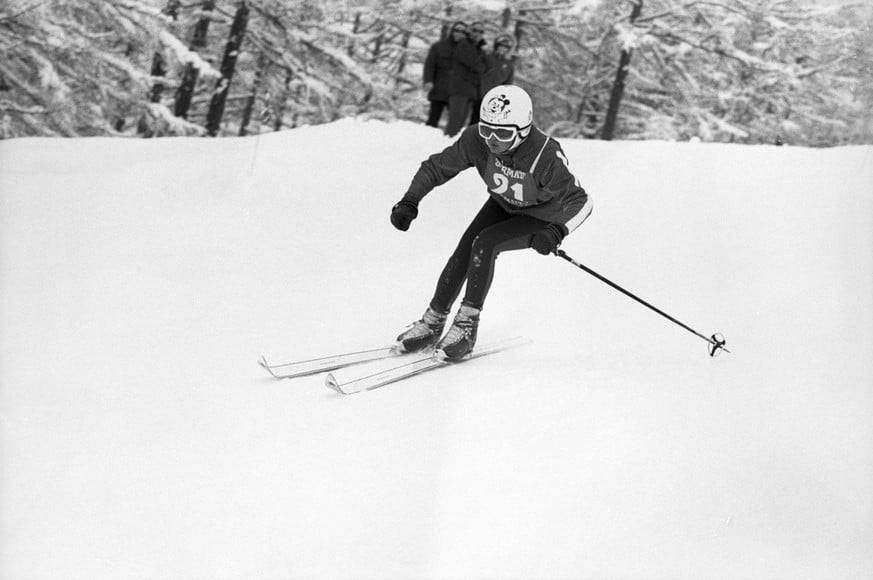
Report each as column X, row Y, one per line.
column 140, row 280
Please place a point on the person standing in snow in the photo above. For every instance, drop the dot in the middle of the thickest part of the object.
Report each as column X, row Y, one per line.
column 499, row 70
column 468, row 64
column 534, row 202
column 437, row 66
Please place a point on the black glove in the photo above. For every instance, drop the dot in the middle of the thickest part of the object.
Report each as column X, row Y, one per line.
column 403, row 213
column 547, row 240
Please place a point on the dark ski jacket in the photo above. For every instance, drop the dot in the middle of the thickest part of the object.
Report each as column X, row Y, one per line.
column 437, row 67
column 533, row 180
column 498, row 71
column 468, row 64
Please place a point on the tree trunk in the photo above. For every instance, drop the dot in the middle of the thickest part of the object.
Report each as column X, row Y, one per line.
column 159, row 64
column 283, row 99
column 350, row 47
column 608, row 130
column 172, row 9
column 518, row 33
column 446, row 28
column 189, row 77
column 253, row 96
column 404, row 44
column 159, row 70
column 228, row 65
column 401, row 65
column 377, row 48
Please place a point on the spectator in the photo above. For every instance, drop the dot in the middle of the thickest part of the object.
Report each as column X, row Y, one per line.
column 468, row 64
column 500, row 70
column 480, row 45
column 437, row 67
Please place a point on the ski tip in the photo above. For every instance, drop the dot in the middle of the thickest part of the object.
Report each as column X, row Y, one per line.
column 331, row 383
column 266, row 366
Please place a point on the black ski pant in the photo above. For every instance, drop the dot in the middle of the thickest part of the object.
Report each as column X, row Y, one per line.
column 436, row 111
column 474, row 115
column 492, row 231
column 459, row 112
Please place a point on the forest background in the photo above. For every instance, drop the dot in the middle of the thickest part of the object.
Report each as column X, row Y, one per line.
column 798, row 72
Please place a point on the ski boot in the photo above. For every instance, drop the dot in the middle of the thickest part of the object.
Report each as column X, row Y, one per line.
column 461, row 337
column 423, row 333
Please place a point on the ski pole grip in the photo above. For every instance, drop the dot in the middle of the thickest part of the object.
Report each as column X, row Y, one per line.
column 563, row 254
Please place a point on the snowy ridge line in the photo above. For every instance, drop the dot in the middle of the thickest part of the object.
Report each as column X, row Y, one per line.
column 416, row 367
column 326, row 363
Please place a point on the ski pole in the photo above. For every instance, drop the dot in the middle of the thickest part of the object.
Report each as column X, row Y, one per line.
column 716, row 341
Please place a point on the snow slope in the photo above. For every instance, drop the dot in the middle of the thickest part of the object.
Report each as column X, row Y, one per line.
column 140, row 280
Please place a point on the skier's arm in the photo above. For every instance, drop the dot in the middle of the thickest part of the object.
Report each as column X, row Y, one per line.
column 561, row 185
column 441, row 167
column 570, row 202
column 436, row 170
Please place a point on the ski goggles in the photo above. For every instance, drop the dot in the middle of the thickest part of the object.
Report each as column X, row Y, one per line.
column 502, row 133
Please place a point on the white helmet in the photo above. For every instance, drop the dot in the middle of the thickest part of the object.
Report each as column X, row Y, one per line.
column 508, row 106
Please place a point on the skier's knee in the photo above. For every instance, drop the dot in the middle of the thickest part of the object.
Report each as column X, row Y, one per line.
column 481, row 252
column 482, row 246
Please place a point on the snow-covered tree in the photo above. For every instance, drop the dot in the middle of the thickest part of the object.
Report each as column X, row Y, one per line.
column 77, row 68
column 728, row 70
column 736, row 70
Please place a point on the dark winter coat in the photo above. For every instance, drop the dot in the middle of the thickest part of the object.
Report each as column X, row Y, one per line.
column 468, row 65
column 499, row 71
column 437, row 67
column 533, row 180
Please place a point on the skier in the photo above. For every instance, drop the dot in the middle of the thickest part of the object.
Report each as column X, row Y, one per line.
column 534, row 202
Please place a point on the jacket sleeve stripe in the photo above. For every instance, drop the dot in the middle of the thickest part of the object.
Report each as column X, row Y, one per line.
column 580, row 217
column 540, row 154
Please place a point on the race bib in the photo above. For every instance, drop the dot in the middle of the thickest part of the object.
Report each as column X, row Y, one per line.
column 517, row 187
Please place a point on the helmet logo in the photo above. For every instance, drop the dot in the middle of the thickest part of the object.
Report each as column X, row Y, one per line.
column 498, row 108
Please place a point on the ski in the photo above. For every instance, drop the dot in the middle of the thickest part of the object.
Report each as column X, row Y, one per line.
column 327, row 363
column 413, row 368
